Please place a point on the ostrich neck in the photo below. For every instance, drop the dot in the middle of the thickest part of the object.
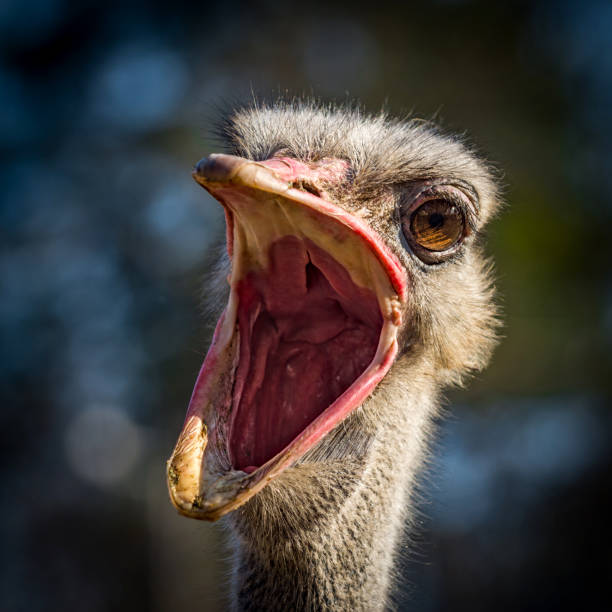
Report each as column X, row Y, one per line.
column 324, row 535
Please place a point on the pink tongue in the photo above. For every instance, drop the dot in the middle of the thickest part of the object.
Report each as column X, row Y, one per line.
column 306, row 333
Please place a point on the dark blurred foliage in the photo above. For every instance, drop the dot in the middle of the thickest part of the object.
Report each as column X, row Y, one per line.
column 105, row 238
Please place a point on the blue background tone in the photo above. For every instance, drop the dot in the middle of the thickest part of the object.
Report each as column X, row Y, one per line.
column 105, row 107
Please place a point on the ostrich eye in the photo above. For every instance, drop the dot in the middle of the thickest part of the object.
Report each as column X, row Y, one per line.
column 437, row 225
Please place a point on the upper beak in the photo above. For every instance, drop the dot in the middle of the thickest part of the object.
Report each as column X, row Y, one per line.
column 232, row 170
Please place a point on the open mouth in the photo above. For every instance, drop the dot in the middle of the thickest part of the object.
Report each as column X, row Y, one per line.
column 310, row 329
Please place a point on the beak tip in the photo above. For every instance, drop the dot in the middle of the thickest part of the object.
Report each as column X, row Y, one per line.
column 199, row 172
column 217, row 168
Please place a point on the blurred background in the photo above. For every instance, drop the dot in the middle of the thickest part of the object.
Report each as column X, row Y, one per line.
column 105, row 238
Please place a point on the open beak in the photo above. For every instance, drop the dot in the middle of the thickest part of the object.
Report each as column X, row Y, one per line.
column 310, row 329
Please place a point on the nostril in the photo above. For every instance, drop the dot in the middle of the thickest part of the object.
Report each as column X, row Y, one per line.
column 306, row 186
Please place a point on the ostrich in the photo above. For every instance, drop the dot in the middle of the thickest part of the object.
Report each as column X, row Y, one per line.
column 357, row 292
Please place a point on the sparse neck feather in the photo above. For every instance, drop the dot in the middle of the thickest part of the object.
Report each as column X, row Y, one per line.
column 325, row 535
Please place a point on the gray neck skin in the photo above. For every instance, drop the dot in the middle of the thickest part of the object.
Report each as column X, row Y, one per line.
column 323, row 536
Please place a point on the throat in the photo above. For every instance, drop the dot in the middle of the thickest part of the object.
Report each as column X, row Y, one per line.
column 307, row 332
column 325, row 535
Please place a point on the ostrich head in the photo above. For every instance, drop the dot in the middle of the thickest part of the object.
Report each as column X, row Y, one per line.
column 357, row 290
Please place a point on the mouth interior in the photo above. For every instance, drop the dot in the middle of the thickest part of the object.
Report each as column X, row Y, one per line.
column 307, row 332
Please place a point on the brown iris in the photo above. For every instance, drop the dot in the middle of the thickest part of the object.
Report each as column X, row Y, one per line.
column 437, row 225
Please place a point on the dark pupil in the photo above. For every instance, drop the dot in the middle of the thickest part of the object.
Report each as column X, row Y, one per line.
column 436, row 220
